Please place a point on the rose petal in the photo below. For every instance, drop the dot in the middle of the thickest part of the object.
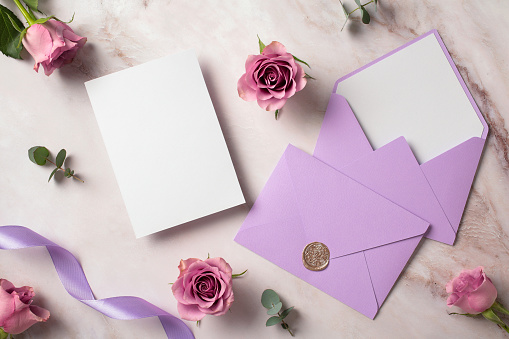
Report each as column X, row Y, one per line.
column 221, row 264
column 245, row 91
column 482, row 299
column 24, row 318
column 184, row 265
column 38, row 43
column 190, row 312
column 272, row 104
column 7, row 306
column 178, row 290
column 274, row 47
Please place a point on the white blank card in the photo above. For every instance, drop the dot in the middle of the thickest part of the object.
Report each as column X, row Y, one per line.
column 165, row 143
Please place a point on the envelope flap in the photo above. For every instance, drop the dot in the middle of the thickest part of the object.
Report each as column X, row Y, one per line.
column 342, row 213
column 393, row 172
column 341, row 139
column 451, row 175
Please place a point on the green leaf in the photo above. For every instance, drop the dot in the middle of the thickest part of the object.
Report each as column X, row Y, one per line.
column 344, row 9
column 261, row 44
column 273, row 321
column 365, row 16
column 3, row 334
column 285, row 313
column 285, row 326
column 9, row 36
column 491, row 316
column 276, row 114
column 38, row 155
column 376, row 5
column 68, row 173
column 43, row 20
column 269, row 298
column 498, row 307
column 52, row 174
column 239, row 275
column 275, row 309
column 15, row 24
column 307, row 76
column 358, row 2
column 33, row 4
column 61, row 157
column 297, row 59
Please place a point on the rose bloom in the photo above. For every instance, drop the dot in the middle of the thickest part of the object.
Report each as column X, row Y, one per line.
column 16, row 310
column 203, row 287
column 271, row 77
column 52, row 45
column 472, row 291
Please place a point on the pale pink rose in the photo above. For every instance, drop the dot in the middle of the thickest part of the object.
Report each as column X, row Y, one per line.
column 203, row 287
column 52, row 45
column 16, row 310
column 271, row 77
column 472, row 291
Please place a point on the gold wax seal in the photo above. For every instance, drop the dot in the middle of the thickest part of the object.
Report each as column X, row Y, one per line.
column 315, row 256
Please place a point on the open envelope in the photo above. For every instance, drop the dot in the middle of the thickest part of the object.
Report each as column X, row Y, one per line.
column 416, row 92
column 370, row 239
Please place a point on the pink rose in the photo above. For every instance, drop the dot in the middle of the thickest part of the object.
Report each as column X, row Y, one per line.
column 271, row 77
column 52, row 44
column 16, row 310
column 203, row 287
column 472, row 291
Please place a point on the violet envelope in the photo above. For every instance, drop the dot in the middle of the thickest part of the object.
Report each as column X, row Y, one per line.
column 370, row 239
column 443, row 182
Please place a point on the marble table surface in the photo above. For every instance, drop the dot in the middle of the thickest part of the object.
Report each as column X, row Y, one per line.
column 90, row 219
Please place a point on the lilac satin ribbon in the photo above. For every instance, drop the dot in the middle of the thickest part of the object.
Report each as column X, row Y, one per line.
column 73, row 278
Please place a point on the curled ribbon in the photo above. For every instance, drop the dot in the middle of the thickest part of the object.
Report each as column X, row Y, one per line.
column 73, row 278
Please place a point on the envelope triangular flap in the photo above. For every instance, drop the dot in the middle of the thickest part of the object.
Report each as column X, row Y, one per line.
column 346, row 215
column 393, row 172
column 385, row 264
column 341, row 139
column 451, row 175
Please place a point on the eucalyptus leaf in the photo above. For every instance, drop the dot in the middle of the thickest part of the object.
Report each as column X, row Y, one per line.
column 275, row 309
column 61, row 157
column 261, row 44
column 269, row 298
column 52, row 174
column 285, row 326
column 285, row 313
column 365, row 16
column 358, row 2
column 273, row 321
column 376, row 5
column 38, row 155
column 344, row 9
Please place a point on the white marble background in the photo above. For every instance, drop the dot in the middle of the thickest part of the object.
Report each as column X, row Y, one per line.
column 90, row 220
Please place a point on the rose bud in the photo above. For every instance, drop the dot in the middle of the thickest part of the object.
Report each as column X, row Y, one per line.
column 52, row 45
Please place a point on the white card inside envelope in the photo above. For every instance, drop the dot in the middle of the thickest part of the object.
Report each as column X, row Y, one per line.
column 413, row 92
column 165, row 143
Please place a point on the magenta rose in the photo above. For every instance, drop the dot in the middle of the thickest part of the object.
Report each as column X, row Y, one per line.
column 203, row 287
column 472, row 291
column 52, row 45
column 271, row 77
column 16, row 310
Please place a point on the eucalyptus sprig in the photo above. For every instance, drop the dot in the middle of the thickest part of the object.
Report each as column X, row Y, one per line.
column 39, row 155
column 271, row 301
column 365, row 17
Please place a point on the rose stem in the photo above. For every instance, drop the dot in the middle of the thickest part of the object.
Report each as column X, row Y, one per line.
column 60, row 168
column 23, row 11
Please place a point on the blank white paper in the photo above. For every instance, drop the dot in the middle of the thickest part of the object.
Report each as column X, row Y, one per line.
column 413, row 93
column 164, row 142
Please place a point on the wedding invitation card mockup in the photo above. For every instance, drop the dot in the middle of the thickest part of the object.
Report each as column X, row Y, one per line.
column 164, row 142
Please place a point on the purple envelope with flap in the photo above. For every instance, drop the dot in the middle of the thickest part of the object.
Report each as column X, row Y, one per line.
column 370, row 239
column 419, row 84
